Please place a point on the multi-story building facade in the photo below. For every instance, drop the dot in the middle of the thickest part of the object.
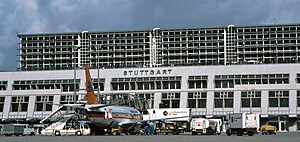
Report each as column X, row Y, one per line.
column 205, row 69
column 161, row 47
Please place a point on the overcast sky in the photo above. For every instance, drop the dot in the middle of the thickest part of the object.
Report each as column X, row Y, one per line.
column 47, row 16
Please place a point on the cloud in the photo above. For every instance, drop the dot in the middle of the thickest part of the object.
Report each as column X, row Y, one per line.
column 41, row 16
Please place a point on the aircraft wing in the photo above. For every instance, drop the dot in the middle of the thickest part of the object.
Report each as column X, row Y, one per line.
column 157, row 119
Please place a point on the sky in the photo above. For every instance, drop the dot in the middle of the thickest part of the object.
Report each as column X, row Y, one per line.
column 53, row 16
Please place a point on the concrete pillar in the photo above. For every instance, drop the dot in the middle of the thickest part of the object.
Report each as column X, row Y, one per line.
column 237, row 102
column 56, row 100
column 264, row 102
column 157, row 100
column 31, row 105
column 293, row 103
column 183, row 99
column 210, row 103
column 184, row 95
column 7, row 105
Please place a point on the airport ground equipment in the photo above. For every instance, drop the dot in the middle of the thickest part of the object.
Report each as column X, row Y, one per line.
column 268, row 130
column 181, row 118
column 242, row 123
column 67, row 125
column 168, row 128
column 17, row 130
column 205, row 126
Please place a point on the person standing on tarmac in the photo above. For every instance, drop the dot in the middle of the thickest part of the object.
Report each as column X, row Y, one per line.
column 151, row 127
column 146, row 129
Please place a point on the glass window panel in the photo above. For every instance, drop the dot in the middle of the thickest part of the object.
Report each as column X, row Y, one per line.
column 175, row 103
column 15, row 107
column 165, row 85
column 245, row 102
column 191, row 85
column 1, row 107
column 177, row 95
column 190, row 95
column 178, row 86
column 228, row 103
column 204, row 84
column 192, row 103
column 165, row 104
column 256, row 102
column 284, row 102
column 273, row 102
column 218, row 103
column 24, row 106
column 48, row 107
column 39, row 107
column 172, row 85
column 202, row 103
column 203, row 95
column 218, row 84
column 140, row 86
column 298, row 102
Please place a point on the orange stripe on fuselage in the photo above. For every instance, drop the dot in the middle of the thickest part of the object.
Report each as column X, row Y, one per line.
column 115, row 116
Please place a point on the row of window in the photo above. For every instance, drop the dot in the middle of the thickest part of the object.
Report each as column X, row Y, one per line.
column 149, row 83
column 168, row 100
column 228, row 81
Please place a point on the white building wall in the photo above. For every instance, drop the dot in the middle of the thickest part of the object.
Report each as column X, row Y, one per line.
column 184, row 72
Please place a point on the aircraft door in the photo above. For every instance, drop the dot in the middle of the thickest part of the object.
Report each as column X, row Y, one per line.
column 109, row 114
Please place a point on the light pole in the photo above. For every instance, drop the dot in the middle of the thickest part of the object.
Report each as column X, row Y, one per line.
column 97, row 47
column 74, row 62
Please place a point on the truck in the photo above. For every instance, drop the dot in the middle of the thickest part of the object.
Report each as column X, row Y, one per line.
column 242, row 123
column 205, row 126
column 67, row 128
column 170, row 124
column 17, row 130
column 168, row 128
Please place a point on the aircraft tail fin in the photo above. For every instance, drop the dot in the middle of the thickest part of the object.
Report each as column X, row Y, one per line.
column 90, row 95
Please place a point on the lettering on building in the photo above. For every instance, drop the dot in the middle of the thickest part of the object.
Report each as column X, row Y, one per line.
column 147, row 72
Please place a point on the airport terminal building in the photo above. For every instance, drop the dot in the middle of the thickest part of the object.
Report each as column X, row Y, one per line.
column 213, row 71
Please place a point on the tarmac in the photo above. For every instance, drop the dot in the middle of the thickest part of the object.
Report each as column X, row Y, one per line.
column 279, row 137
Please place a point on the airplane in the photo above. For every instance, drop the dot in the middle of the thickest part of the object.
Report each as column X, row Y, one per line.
column 104, row 117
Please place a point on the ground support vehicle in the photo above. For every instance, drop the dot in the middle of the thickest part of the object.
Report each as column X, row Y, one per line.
column 168, row 128
column 17, row 130
column 204, row 126
column 67, row 128
column 242, row 123
column 181, row 123
column 268, row 130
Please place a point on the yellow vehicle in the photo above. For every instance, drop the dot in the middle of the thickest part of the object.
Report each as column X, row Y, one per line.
column 169, row 128
column 268, row 129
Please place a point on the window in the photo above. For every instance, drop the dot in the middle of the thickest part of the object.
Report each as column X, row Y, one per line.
column 251, row 99
column 68, row 99
column 170, row 100
column 278, row 98
column 146, row 83
column 41, row 103
column 197, row 100
column 2, row 100
column 196, row 82
column 147, row 100
column 19, row 103
column 223, row 99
